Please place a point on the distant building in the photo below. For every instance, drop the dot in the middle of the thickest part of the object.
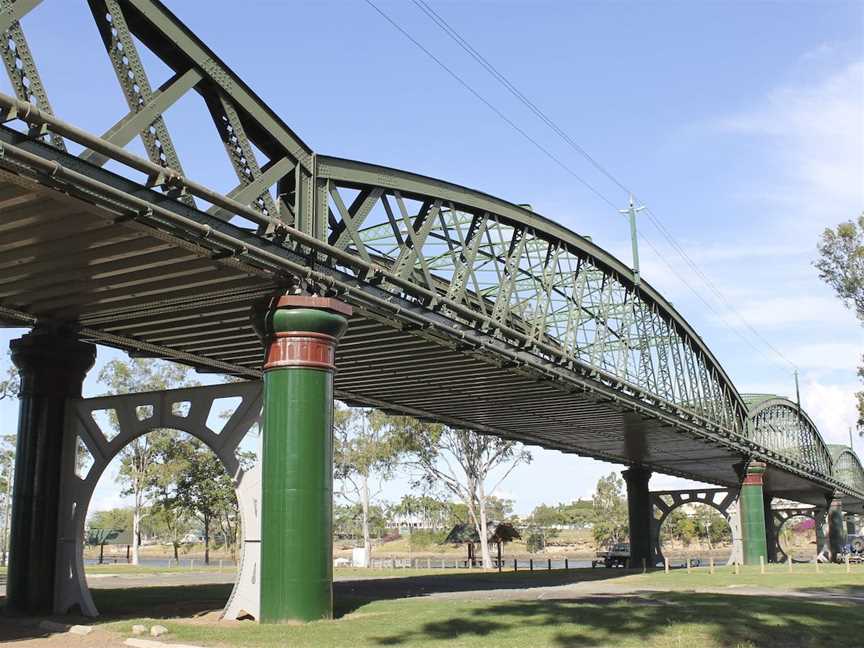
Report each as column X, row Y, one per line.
column 404, row 523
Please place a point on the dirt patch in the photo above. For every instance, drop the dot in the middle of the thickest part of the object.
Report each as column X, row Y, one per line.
column 25, row 633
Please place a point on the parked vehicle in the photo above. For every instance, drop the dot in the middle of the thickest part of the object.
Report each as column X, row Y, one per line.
column 617, row 555
column 854, row 548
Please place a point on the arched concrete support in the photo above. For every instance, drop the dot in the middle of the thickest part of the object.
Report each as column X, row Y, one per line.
column 186, row 410
column 724, row 500
column 779, row 517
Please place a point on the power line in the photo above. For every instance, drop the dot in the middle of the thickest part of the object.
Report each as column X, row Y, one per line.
column 477, row 56
column 491, row 107
column 501, row 78
column 453, row 34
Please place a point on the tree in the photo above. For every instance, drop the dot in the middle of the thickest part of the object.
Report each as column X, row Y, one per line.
column 610, row 510
column 841, row 266
column 7, row 472
column 9, row 387
column 138, row 459
column 168, row 518
column 10, row 382
column 367, row 447
column 204, row 489
column 460, row 462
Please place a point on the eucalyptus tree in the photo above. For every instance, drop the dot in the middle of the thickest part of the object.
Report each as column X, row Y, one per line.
column 368, row 446
column 138, row 460
column 610, row 510
column 205, row 491
column 461, row 462
column 841, row 266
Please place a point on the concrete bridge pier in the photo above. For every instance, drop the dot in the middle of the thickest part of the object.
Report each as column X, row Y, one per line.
column 639, row 515
column 836, row 530
column 752, row 502
column 300, row 334
column 52, row 365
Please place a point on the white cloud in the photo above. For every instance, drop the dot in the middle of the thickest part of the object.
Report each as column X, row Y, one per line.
column 828, row 356
column 815, row 132
column 769, row 312
column 832, row 408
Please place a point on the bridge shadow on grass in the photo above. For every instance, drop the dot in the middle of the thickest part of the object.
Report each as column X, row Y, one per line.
column 161, row 602
column 351, row 594
column 656, row 619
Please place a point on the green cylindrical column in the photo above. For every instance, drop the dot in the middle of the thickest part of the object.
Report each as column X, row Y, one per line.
column 301, row 333
column 52, row 368
column 753, row 514
column 836, row 530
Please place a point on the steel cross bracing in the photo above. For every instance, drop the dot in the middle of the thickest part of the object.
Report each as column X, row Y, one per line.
column 451, row 286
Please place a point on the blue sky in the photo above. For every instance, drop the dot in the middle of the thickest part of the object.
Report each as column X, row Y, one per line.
column 740, row 124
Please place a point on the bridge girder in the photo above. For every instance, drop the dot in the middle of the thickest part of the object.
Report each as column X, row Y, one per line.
column 416, row 254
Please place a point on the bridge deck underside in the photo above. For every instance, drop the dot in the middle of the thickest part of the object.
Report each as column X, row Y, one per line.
column 135, row 288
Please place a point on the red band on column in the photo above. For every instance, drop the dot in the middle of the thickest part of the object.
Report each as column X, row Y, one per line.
column 302, row 349
column 753, row 480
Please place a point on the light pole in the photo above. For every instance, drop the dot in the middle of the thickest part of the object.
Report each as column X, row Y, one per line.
column 631, row 212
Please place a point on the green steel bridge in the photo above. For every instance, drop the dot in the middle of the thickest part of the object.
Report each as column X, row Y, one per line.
column 466, row 309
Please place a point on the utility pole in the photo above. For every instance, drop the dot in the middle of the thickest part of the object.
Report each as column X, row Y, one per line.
column 631, row 212
column 797, row 392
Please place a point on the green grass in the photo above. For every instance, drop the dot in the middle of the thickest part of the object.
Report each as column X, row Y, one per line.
column 143, row 569
column 370, row 614
column 777, row 577
column 659, row 620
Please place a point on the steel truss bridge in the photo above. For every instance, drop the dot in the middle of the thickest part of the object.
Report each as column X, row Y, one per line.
column 468, row 309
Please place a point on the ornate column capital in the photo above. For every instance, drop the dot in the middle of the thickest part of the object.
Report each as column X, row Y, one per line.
column 302, row 331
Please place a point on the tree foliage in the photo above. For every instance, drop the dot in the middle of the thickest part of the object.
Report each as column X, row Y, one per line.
column 460, row 462
column 138, row 459
column 700, row 524
column 610, row 511
column 367, row 447
column 205, row 490
column 9, row 382
column 841, row 262
column 841, row 266
column 578, row 514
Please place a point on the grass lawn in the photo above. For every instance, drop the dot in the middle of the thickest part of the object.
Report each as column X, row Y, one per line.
column 374, row 613
column 776, row 577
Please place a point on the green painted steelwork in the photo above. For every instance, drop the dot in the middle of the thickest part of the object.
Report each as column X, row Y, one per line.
column 296, row 496
column 753, row 516
column 784, row 429
column 297, row 478
column 463, row 269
